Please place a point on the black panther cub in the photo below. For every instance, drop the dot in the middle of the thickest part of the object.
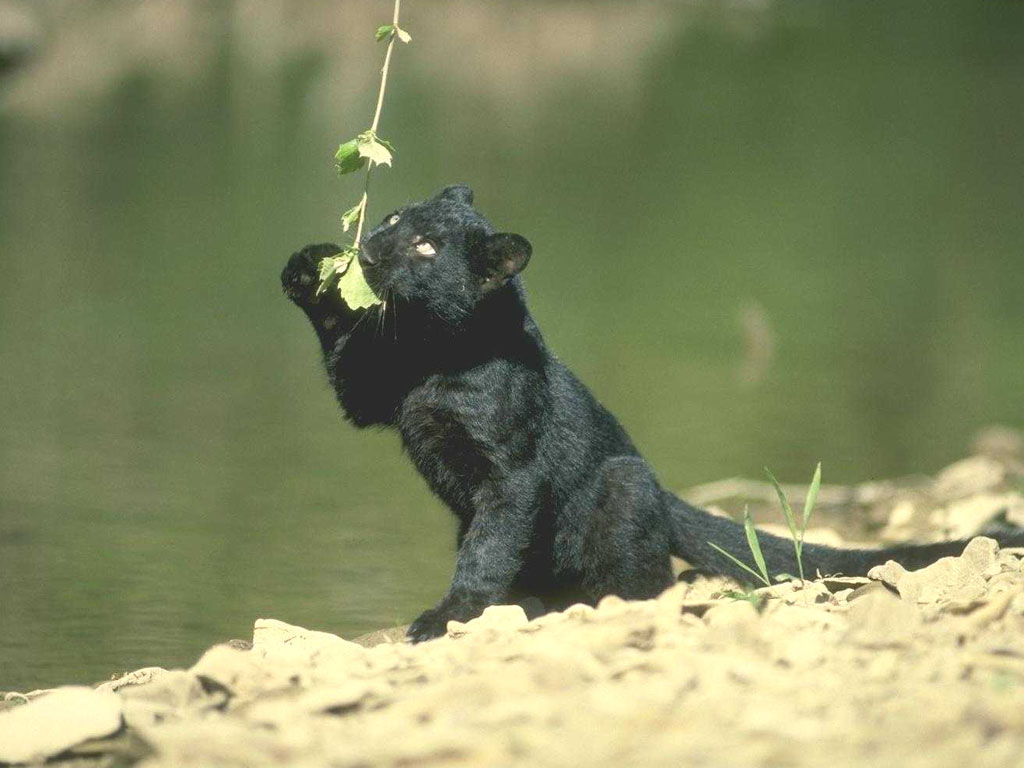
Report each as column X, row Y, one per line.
column 552, row 498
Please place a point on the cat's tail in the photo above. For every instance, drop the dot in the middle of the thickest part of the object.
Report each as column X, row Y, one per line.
column 694, row 530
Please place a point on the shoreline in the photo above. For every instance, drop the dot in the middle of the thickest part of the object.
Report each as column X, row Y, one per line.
column 923, row 668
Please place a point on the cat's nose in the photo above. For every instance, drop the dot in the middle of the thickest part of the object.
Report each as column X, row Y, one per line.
column 367, row 257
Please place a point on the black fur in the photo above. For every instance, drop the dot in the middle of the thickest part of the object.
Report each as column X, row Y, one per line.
column 552, row 498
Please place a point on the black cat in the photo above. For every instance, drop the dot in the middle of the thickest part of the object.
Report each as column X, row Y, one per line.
column 552, row 498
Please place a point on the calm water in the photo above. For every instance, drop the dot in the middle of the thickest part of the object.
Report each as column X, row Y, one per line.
column 776, row 235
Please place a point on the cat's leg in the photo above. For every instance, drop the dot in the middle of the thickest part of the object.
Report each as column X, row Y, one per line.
column 490, row 556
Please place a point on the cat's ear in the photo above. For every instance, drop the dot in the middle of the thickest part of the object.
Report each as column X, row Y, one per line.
column 504, row 255
column 457, row 193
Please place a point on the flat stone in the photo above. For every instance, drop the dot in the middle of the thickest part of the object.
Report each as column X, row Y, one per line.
column 56, row 722
column 268, row 633
column 138, row 677
column 947, row 579
column 840, row 583
column 889, row 573
column 980, row 554
column 942, row 581
column 289, row 650
column 508, row 616
column 494, row 618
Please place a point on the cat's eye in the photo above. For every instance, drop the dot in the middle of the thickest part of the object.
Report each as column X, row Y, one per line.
column 393, row 219
column 425, row 248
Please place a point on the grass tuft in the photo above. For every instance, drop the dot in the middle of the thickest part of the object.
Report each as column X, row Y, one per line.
column 796, row 531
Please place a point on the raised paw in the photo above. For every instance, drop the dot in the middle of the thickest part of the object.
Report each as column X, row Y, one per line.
column 301, row 274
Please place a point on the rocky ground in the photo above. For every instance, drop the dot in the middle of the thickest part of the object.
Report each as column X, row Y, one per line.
column 920, row 668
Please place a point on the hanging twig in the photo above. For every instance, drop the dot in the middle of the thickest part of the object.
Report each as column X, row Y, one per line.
column 369, row 150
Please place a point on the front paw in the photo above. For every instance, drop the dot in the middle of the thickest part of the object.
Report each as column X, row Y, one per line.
column 434, row 623
column 301, row 276
column 430, row 624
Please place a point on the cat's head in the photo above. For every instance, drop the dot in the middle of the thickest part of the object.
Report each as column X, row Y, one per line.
column 441, row 255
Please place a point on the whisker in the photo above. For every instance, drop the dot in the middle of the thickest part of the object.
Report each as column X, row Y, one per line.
column 394, row 309
column 361, row 318
column 379, row 309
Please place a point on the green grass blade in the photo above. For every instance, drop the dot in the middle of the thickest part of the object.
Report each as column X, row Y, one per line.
column 755, row 545
column 812, row 496
column 740, row 563
column 787, row 510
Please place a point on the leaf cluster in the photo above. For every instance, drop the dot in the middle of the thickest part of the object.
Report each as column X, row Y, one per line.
column 345, row 270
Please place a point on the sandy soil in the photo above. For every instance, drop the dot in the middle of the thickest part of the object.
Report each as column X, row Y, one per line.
column 918, row 668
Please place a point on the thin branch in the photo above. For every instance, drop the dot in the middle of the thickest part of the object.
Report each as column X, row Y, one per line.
column 376, row 120
column 384, row 69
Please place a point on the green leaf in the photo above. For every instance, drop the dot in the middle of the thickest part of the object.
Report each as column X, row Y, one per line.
column 348, row 157
column 755, row 545
column 372, row 149
column 740, row 563
column 796, row 535
column 332, row 267
column 812, row 496
column 352, row 285
column 404, row 36
column 351, row 217
column 787, row 510
column 383, row 32
column 356, row 292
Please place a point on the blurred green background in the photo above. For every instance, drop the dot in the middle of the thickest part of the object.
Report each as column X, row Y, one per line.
column 764, row 232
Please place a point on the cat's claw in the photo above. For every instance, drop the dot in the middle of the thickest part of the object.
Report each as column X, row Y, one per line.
column 430, row 624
